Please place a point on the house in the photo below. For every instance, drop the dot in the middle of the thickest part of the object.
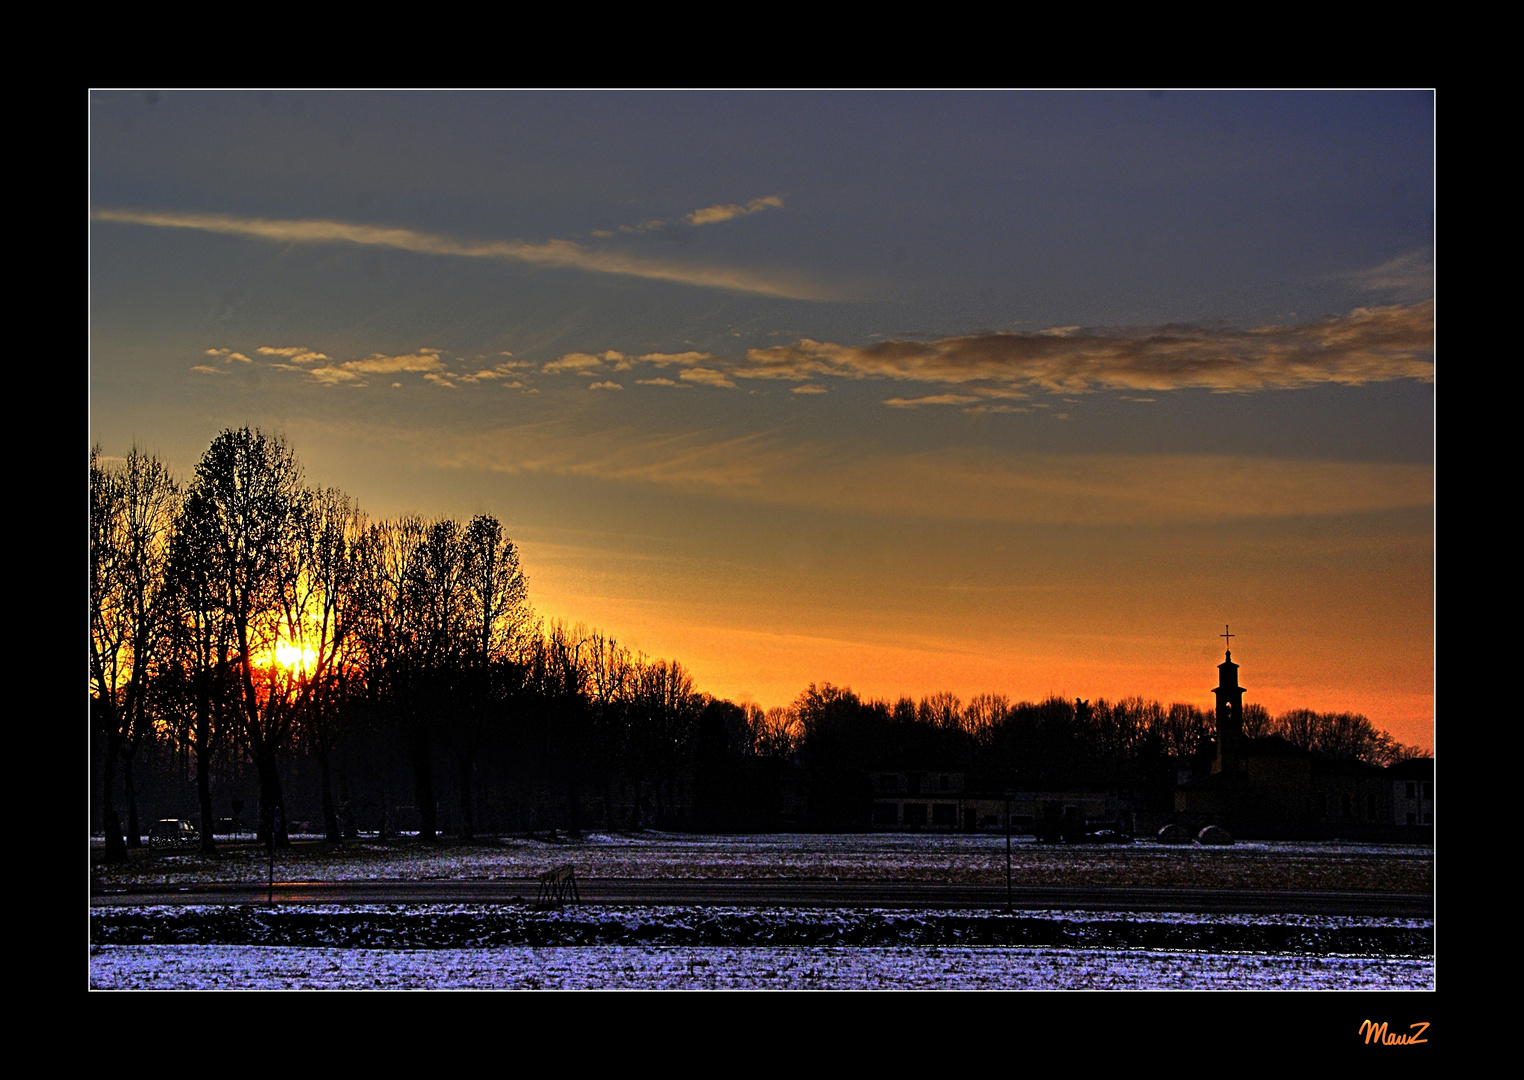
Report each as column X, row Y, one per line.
column 1411, row 788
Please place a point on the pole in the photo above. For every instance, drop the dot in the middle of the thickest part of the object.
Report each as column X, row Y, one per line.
column 275, row 824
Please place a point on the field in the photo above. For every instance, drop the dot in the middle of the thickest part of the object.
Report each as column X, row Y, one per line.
column 1330, row 866
column 511, row 946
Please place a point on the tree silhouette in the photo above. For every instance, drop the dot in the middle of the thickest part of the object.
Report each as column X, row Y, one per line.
column 321, row 605
column 257, row 617
column 132, row 515
column 248, row 487
column 199, row 669
column 496, row 620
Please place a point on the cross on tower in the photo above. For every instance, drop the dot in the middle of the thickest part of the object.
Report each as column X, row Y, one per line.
column 1227, row 638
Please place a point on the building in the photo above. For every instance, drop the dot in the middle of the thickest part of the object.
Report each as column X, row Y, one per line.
column 1269, row 787
column 937, row 800
column 1412, row 792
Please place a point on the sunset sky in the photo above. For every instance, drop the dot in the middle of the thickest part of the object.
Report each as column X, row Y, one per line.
column 983, row 392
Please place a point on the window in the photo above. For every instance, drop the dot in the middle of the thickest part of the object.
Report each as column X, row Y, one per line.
column 1428, row 790
column 1370, row 808
column 1412, row 790
column 915, row 813
column 945, row 781
column 1428, row 819
column 1412, row 819
column 944, row 815
column 889, row 814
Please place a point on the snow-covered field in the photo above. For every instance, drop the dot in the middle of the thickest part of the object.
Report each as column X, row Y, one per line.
column 510, row 947
column 957, row 859
column 624, row 967
column 465, row 946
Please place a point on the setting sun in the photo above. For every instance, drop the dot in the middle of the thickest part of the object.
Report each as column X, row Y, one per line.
column 292, row 656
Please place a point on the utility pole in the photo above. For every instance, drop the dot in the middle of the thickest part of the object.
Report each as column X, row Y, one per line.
column 275, row 824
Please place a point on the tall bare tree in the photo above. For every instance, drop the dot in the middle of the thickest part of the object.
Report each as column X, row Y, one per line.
column 248, row 489
column 132, row 514
column 320, row 605
column 199, row 651
column 497, row 622
column 384, row 571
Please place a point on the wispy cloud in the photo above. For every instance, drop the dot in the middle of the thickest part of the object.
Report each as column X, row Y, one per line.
column 1368, row 345
column 294, row 353
column 711, row 215
column 428, row 362
column 685, row 358
column 229, row 354
column 931, row 399
column 707, row 377
column 954, row 484
column 497, row 372
column 1409, row 276
column 357, row 372
column 586, row 363
column 552, row 253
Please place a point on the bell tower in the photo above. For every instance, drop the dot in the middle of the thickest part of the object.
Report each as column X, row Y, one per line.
column 1230, row 714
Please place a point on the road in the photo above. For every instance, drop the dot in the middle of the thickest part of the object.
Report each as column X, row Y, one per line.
column 791, row 894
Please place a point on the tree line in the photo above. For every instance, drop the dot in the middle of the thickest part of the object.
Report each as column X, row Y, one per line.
column 244, row 618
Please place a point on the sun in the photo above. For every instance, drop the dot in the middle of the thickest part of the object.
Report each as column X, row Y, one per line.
column 291, row 656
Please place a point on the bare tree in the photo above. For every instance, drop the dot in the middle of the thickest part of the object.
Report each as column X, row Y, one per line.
column 110, row 630
column 199, row 651
column 320, row 606
column 1341, row 735
column 1257, row 723
column 610, row 668
column 248, row 488
column 495, row 598
column 666, row 711
column 385, row 627
column 132, row 514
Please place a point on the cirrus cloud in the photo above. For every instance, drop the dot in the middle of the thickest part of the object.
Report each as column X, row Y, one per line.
column 550, row 253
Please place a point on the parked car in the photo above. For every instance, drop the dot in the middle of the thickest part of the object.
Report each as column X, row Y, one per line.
column 172, row 832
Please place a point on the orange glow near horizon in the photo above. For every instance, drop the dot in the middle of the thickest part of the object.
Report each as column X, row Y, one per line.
column 1153, row 640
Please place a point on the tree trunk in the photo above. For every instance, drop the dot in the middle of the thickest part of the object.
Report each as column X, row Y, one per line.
column 204, row 781
column 330, row 815
column 467, row 818
column 270, row 798
column 204, row 797
column 134, row 833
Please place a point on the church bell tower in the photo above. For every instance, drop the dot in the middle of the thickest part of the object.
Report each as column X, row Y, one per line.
column 1230, row 714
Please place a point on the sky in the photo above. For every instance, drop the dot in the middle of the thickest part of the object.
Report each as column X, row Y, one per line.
column 1008, row 392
